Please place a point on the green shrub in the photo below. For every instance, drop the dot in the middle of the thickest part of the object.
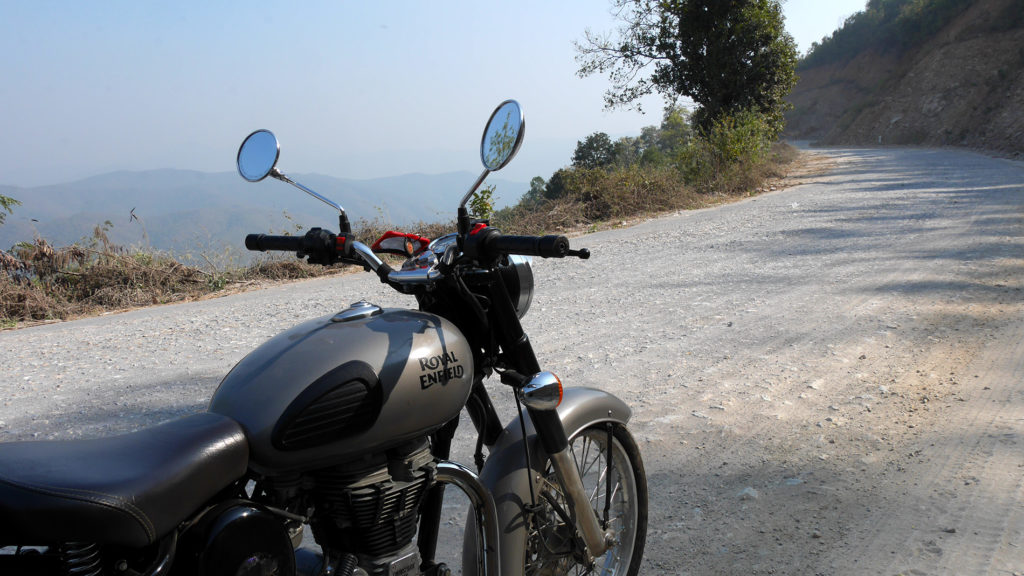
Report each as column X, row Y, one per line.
column 723, row 158
column 481, row 204
column 598, row 195
column 627, row 192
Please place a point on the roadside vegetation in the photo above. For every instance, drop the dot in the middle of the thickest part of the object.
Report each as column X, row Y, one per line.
column 723, row 147
column 893, row 25
column 669, row 167
column 40, row 282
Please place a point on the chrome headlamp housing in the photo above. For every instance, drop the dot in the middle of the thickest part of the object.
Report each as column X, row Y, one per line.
column 516, row 270
column 425, row 259
column 517, row 273
column 428, row 258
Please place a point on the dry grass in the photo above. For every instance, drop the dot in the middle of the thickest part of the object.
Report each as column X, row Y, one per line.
column 39, row 282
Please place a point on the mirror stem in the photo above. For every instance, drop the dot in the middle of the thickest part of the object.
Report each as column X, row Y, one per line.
column 280, row 176
column 472, row 189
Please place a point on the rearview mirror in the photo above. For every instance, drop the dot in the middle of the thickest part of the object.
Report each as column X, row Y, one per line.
column 502, row 136
column 258, row 155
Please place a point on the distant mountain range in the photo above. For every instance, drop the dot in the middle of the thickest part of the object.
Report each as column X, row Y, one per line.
column 184, row 210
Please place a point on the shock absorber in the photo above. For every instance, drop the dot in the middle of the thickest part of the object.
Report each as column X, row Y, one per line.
column 80, row 559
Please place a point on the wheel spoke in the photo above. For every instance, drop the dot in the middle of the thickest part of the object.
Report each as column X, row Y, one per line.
column 590, row 464
column 595, row 496
column 549, row 543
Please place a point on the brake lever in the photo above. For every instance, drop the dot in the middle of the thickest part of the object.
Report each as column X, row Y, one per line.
column 450, row 254
column 582, row 253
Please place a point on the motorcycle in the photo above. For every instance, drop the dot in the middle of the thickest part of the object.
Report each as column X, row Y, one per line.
column 343, row 425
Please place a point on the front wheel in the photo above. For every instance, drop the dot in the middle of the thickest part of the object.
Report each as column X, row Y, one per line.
column 552, row 546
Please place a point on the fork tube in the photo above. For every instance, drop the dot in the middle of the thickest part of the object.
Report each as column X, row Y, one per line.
column 586, row 517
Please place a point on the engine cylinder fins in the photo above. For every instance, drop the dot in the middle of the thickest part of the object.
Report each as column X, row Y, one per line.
column 375, row 511
column 343, row 402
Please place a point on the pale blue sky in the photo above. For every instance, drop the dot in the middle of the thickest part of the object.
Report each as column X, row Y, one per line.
column 352, row 89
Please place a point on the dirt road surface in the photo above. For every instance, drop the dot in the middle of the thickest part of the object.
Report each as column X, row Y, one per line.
column 828, row 379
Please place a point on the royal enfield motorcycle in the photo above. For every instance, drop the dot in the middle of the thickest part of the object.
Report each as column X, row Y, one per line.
column 342, row 426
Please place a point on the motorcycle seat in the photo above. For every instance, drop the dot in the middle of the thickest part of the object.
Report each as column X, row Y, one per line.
column 126, row 490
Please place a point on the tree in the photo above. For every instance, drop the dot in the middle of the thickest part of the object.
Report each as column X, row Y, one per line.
column 628, row 151
column 7, row 204
column 676, row 129
column 725, row 55
column 594, row 151
column 892, row 25
column 535, row 195
column 555, row 186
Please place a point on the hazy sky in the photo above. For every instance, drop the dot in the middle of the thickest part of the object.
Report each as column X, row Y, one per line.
column 352, row 89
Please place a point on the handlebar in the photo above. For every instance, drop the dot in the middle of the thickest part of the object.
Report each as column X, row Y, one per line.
column 550, row 246
column 494, row 244
column 323, row 247
column 264, row 242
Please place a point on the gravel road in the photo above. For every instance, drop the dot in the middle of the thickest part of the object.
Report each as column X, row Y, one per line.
column 828, row 379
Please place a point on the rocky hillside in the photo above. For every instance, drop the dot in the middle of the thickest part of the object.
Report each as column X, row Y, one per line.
column 961, row 86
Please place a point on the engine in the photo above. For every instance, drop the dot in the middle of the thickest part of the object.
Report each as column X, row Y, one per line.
column 370, row 508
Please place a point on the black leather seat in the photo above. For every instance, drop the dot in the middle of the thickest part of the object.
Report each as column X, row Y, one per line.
column 129, row 490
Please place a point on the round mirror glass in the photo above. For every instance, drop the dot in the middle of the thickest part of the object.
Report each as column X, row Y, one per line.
column 258, row 155
column 502, row 136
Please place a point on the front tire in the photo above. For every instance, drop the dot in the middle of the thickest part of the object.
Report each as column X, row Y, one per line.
column 551, row 546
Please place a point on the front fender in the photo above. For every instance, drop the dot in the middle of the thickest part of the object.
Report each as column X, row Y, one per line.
column 506, row 477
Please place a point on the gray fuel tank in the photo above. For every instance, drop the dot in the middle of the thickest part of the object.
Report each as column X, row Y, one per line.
column 340, row 386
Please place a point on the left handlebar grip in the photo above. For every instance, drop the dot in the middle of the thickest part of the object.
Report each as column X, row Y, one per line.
column 264, row 242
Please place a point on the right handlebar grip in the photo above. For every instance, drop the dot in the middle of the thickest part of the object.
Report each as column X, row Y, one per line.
column 264, row 242
column 551, row 246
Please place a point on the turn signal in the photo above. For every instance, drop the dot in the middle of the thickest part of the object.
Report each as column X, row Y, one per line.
column 542, row 392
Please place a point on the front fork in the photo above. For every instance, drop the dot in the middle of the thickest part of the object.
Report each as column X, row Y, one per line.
column 518, row 352
column 552, row 435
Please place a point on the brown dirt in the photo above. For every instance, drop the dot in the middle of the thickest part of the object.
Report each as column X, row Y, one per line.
column 964, row 87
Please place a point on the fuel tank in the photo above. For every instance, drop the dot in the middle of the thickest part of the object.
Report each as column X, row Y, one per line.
column 360, row 381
